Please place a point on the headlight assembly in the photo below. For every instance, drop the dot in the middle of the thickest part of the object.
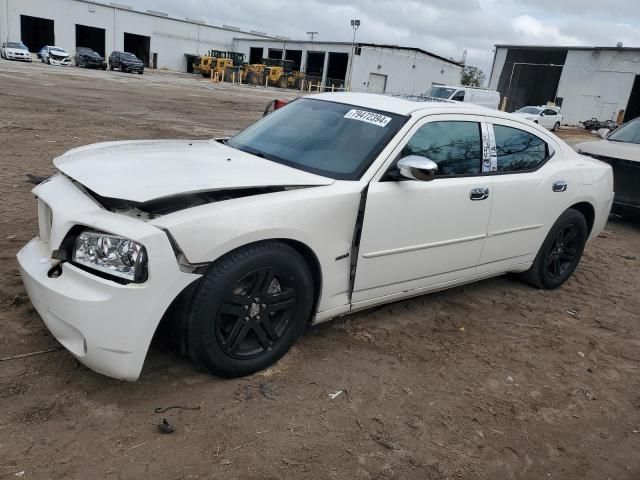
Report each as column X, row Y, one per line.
column 111, row 254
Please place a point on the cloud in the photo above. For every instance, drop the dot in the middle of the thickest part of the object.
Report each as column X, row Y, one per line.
column 531, row 30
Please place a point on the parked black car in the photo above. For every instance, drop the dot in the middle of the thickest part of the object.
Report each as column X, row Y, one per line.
column 85, row 57
column 126, row 62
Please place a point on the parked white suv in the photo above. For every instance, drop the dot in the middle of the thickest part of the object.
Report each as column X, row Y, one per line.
column 331, row 204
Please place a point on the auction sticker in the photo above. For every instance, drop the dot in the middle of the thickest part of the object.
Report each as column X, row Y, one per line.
column 369, row 117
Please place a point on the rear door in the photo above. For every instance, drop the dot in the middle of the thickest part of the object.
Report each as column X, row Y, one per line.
column 422, row 234
column 549, row 119
column 527, row 194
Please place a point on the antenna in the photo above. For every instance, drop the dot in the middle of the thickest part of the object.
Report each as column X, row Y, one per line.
column 312, row 35
column 464, row 57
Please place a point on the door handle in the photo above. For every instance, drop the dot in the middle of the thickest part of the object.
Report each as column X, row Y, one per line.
column 560, row 186
column 479, row 193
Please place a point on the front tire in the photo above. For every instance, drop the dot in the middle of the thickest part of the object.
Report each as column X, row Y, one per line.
column 556, row 127
column 249, row 309
column 560, row 252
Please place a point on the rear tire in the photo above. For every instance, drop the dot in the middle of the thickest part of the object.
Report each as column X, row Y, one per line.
column 249, row 309
column 560, row 252
column 556, row 127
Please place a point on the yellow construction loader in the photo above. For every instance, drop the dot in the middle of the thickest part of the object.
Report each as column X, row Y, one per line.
column 275, row 72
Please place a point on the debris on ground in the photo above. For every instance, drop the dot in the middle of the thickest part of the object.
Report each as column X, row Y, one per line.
column 165, row 427
column 177, row 407
column 36, row 179
column 335, row 395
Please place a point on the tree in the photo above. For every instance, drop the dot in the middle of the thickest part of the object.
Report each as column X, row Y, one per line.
column 472, row 76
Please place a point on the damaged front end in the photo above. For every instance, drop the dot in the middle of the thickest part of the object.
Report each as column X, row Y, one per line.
column 175, row 203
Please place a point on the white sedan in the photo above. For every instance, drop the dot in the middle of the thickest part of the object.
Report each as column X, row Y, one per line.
column 332, row 204
column 549, row 117
column 54, row 56
column 15, row 51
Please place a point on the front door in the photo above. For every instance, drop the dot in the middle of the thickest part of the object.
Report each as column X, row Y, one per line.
column 424, row 234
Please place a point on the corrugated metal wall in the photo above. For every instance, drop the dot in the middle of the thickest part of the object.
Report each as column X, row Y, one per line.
column 408, row 72
column 594, row 83
column 597, row 83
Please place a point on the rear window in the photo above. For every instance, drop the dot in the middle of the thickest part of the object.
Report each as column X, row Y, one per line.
column 518, row 150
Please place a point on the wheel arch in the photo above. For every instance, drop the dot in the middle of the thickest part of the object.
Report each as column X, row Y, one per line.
column 172, row 323
column 589, row 213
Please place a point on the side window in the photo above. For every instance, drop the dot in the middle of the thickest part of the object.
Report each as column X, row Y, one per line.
column 459, row 96
column 518, row 150
column 548, row 111
column 455, row 146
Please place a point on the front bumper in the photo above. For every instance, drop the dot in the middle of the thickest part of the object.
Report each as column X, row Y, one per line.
column 133, row 68
column 107, row 326
column 23, row 58
column 62, row 62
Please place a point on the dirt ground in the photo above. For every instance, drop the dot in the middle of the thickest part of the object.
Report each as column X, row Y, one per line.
column 494, row 380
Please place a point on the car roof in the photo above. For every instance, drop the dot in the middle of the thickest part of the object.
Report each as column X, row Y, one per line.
column 407, row 106
column 387, row 103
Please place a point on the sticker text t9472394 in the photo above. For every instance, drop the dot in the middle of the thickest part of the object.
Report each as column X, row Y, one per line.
column 369, row 117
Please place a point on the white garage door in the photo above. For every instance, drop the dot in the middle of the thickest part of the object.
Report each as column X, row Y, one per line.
column 377, row 83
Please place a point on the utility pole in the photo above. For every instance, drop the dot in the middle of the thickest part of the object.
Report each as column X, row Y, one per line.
column 355, row 24
column 312, row 35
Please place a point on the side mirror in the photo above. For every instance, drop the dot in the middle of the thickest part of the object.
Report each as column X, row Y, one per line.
column 415, row 167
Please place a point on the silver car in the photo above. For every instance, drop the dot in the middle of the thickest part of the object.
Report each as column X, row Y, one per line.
column 621, row 150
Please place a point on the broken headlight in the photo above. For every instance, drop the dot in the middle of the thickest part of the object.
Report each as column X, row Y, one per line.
column 110, row 254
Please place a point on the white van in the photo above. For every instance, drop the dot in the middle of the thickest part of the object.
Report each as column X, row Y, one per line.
column 477, row 96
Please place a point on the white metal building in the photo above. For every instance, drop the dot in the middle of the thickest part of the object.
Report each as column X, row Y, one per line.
column 587, row 82
column 162, row 41
column 156, row 38
column 374, row 68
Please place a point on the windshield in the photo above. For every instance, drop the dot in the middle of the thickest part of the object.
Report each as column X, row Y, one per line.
column 441, row 92
column 56, row 49
column 330, row 139
column 16, row 45
column 530, row 110
column 129, row 56
column 629, row 133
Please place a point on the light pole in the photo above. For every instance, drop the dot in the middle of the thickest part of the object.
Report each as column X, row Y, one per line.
column 355, row 24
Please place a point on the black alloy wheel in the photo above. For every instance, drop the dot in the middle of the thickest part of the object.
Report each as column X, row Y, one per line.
column 564, row 250
column 256, row 313
column 560, row 252
column 249, row 308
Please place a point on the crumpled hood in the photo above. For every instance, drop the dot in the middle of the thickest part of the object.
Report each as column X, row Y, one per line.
column 605, row 148
column 145, row 170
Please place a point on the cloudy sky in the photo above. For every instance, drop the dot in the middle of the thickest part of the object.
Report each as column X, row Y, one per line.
column 443, row 27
